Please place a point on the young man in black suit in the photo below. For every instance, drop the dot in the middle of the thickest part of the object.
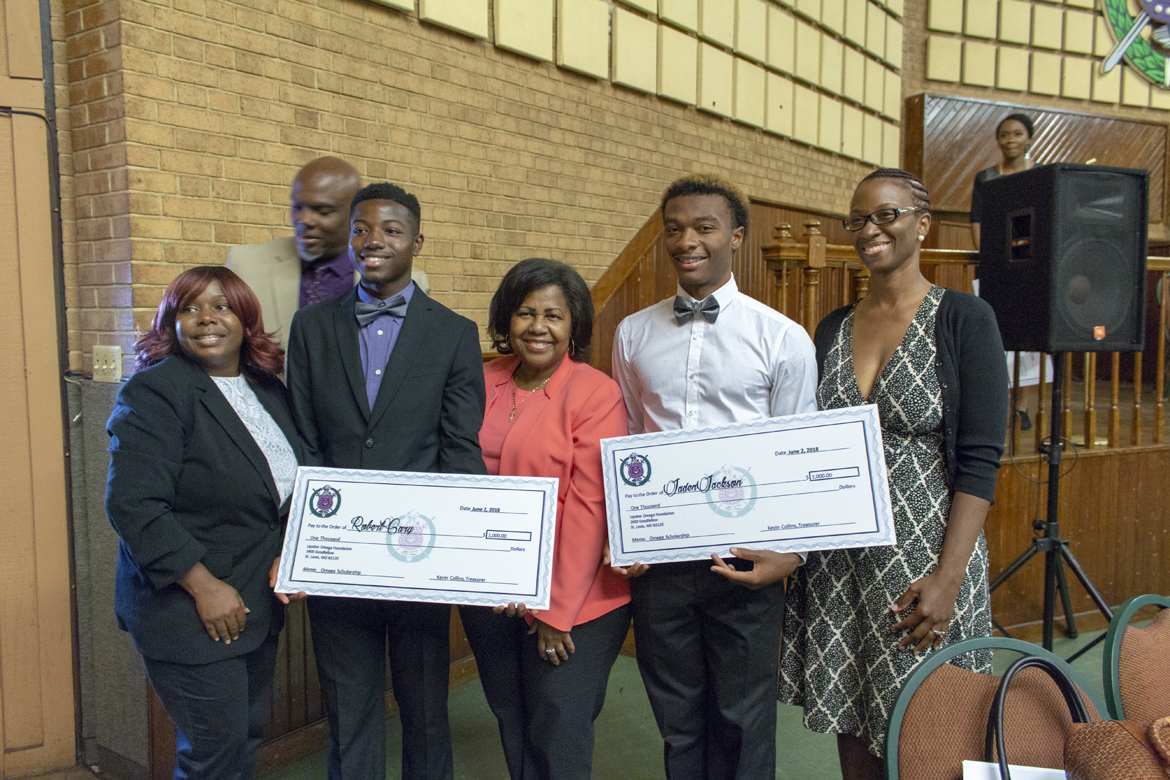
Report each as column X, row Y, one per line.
column 385, row 378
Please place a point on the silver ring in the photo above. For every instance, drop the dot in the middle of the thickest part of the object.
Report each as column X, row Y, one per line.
column 936, row 632
column 549, row 651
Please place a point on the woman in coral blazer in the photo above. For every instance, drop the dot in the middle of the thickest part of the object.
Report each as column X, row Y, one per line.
column 545, row 673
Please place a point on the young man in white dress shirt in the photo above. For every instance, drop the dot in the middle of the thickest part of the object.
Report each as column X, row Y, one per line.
column 708, row 632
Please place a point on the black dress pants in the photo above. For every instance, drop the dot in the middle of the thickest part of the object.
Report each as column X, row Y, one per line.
column 351, row 638
column 219, row 710
column 545, row 712
column 708, row 651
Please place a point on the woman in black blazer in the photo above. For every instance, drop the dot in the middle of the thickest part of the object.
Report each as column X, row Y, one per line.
column 203, row 453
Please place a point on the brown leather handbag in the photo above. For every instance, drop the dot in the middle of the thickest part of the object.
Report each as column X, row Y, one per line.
column 1111, row 750
column 994, row 748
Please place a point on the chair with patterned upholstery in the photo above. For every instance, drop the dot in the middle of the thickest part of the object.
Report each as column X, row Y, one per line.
column 1137, row 663
column 940, row 716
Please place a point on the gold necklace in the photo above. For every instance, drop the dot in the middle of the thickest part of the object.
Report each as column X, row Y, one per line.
column 512, row 416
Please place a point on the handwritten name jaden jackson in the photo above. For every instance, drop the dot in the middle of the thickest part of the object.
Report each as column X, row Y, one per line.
column 704, row 485
column 388, row 526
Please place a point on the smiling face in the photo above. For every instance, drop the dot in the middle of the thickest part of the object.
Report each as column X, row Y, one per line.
column 539, row 330
column 1013, row 139
column 383, row 242
column 208, row 330
column 887, row 248
column 700, row 239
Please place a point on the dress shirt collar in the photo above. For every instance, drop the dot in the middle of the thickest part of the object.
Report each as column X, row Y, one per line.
column 337, row 266
column 364, row 295
column 724, row 295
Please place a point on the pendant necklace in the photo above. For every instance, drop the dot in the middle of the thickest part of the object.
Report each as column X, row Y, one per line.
column 512, row 416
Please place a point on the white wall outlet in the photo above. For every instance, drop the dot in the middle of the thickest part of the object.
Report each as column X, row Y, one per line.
column 107, row 364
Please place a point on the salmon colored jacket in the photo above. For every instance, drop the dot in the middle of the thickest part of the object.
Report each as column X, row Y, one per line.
column 558, row 435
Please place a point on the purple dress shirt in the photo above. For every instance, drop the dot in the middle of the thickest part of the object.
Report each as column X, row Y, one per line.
column 377, row 341
column 325, row 278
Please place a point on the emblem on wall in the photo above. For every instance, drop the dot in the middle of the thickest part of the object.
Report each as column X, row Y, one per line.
column 1147, row 57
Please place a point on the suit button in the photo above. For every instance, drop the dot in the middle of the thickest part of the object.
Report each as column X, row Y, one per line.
column 369, row 443
column 274, row 526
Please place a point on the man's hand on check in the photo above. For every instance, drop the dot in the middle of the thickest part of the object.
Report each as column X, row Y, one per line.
column 626, row 572
column 768, row 567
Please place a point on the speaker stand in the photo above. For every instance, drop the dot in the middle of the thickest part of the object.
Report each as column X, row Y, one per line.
column 1057, row 554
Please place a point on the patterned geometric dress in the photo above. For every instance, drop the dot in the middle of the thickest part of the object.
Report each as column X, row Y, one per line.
column 840, row 660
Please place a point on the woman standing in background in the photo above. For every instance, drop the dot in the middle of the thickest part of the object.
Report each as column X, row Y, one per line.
column 1014, row 136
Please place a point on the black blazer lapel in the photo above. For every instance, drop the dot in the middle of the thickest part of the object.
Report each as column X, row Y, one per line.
column 219, row 408
column 349, row 351
column 415, row 327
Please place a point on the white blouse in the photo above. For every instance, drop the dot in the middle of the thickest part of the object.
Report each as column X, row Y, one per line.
column 282, row 462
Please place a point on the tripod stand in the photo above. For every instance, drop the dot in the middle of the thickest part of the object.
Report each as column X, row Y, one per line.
column 1055, row 549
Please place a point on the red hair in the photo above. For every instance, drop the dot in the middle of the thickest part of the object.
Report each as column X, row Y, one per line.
column 259, row 352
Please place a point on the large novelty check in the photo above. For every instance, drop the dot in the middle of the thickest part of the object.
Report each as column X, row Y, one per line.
column 453, row 538
column 812, row 481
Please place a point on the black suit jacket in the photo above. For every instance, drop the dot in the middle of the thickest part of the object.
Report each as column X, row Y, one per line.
column 187, row 484
column 430, row 404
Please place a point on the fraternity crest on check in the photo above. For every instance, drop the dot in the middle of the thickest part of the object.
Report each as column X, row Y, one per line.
column 325, row 501
column 732, row 492
column 635, row 470
column 412, row 539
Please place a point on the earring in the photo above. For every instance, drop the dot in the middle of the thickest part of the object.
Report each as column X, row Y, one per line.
column 922, row 238
column 572, row 347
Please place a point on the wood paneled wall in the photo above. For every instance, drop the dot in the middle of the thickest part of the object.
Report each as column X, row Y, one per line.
column 1112, row 510
column 947, row 140
column 37, row 726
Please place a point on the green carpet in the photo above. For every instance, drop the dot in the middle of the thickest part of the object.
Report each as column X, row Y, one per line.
column 628, row 746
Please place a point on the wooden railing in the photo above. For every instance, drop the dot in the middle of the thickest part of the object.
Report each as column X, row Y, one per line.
column 811, row 278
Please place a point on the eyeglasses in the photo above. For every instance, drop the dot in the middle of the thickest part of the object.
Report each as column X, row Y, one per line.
column 882, row 217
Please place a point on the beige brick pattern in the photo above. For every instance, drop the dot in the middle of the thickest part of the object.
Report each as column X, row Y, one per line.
column 183, row 122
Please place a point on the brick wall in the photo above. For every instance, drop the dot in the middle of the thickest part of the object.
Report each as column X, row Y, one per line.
column 189, row 118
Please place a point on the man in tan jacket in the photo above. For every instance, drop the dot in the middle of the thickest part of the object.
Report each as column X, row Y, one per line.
column 313, row 265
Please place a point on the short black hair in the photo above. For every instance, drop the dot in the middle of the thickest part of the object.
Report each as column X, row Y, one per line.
column 1023, row 119
column 918, row 191
column 533, row 274
column 384, row 190
column 710, row 184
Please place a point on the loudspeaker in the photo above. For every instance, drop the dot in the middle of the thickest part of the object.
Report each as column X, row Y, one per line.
column 1062, row 257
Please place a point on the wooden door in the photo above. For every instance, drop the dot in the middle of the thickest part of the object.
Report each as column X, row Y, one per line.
column 37, row 726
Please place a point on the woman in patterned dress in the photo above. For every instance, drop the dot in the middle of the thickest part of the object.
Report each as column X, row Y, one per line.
column 931, row 360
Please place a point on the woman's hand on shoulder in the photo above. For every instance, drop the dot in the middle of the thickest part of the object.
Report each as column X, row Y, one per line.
column 926, row 627
column 219, row 605
column 283, row 598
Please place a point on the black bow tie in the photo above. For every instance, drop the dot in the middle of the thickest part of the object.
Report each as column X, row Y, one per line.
column 685, row 309
column 368, row 312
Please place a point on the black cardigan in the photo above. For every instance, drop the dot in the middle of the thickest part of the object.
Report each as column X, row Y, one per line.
column 973, row 375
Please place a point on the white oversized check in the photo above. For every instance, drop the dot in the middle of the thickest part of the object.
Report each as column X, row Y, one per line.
column 453, row 538
column 813, row 481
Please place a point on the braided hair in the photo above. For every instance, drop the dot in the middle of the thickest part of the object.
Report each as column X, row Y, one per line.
column 912, row 183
